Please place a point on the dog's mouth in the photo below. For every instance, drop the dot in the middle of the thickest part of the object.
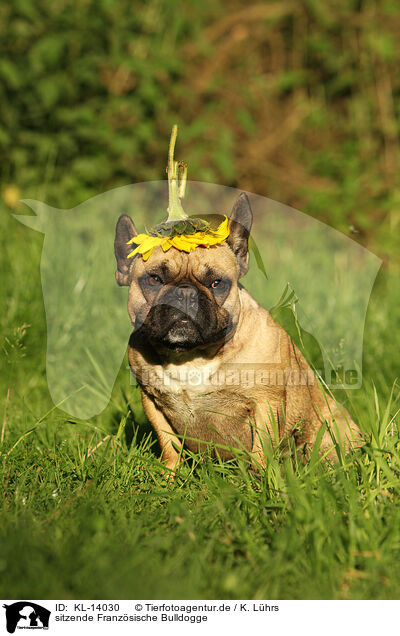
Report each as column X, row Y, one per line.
column 177, row 331
column 182, row 334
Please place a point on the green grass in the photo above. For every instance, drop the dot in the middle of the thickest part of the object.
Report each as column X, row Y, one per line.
column 87, row 104
column 86, row 512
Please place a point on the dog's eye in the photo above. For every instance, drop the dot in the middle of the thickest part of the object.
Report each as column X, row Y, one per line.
column 154, row 280
column 217, row 283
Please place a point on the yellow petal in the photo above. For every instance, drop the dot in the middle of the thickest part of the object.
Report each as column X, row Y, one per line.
column 181, row 243
column 149, row 243
column 222, row 230
column 166, row 245
column 146, row 244
column 138, row 239
column 146, row 255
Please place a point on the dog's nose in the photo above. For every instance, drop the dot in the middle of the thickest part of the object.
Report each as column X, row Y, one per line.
column 187, row 297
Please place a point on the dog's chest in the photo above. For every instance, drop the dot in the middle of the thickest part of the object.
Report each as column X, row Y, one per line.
column 199, row 410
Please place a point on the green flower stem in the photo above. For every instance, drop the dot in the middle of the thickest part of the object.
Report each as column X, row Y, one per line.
column 177, row 174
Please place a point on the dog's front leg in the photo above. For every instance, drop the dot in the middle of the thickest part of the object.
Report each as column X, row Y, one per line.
column 164, row 432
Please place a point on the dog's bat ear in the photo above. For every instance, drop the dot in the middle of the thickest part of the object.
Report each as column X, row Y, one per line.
column 240, row 223
column 125, row 230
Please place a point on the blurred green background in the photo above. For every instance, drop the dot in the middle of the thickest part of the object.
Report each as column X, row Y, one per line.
column 297, row 101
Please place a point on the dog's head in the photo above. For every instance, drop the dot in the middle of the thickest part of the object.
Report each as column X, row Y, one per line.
column 186, row 301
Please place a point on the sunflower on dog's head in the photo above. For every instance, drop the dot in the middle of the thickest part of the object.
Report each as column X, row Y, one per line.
column 179, row 231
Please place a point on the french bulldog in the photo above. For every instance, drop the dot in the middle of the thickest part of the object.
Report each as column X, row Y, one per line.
column 211, row 363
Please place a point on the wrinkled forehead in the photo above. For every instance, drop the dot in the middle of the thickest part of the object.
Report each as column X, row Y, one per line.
column 218, row 259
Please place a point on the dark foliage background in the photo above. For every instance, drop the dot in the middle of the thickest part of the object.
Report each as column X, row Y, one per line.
column 294, row 100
